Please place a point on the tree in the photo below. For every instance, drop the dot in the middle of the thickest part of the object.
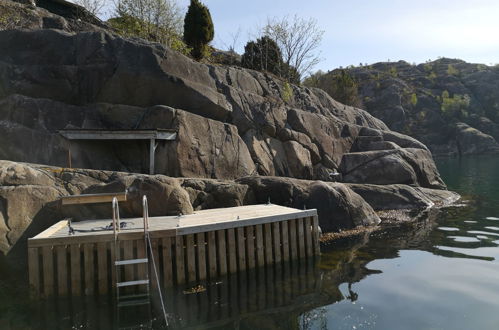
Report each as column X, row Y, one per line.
column 153, row 20
column 263, row 55
column 198, row 28
column 314, row 79
column 455, row 106
column 298, row 40
column 95, row 7
column 340, row 85
column 344, row 89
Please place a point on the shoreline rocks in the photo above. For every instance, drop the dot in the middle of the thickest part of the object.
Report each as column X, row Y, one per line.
column 30, row 193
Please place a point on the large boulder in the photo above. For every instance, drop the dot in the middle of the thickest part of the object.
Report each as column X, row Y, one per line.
column 337, row 205
column 407, row 166
column 472, row 141
column 24, row 191
column 398, row 196
column 209, row 193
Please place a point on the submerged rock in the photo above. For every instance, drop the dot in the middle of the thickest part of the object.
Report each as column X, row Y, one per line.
column 399, row 196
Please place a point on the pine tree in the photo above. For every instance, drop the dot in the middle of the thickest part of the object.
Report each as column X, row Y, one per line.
column 198, row 28
column 263, row 55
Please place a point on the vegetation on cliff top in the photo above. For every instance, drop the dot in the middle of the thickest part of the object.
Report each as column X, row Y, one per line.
column 426, row 101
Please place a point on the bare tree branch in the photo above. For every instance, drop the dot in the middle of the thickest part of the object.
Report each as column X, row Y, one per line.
column 298, row 39
column 95, row 7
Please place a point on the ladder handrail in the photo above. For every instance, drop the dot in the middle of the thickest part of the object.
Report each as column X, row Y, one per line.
column 145, row 214
column 116, row 217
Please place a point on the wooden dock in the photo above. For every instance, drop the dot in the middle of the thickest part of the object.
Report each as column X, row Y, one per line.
column 188, row 249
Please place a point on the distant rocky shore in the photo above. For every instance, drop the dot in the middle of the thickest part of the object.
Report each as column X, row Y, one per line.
column 450, row 105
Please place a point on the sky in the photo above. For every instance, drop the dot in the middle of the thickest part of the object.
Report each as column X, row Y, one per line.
column 369, row 31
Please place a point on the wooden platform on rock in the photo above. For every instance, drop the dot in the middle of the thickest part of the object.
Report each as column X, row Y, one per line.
column 193, row 248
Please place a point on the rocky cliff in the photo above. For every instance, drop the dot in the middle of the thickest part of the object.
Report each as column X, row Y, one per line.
column 243, row 136
column 450, row 105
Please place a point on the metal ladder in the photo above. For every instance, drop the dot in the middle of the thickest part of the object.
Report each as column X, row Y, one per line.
column 131, row 300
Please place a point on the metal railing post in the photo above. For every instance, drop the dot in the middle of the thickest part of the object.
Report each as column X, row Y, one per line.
column 116, row 217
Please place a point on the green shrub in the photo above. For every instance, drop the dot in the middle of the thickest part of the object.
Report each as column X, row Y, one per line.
column 455, row 106
column 129, row 26
column 287, row 92
column 414, row 99
column 393, row 72
column 452, row 71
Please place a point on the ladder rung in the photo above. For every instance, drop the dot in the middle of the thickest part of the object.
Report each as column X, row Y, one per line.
column 133, row 296
column 130, row 283
column 131, row 262
column 136, row 302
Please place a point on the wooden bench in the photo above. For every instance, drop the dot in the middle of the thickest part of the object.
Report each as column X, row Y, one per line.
column 93, row 198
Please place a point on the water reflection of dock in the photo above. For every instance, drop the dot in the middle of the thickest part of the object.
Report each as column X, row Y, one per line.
column 225, row 302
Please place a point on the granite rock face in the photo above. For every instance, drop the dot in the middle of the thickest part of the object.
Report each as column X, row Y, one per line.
column 98, row 80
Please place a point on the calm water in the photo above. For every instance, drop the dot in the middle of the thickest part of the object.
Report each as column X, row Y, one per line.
column 441, row 272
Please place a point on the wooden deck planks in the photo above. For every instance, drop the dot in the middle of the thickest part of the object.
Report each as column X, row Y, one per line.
column 285, row 240
column 231, row 250
column 127, row 255
column 191, row 258
column 201, row 256
column 293, row 239
column 34, row 271
column 89, row 269
column 308, row 237
column 276, row 238
column 241, row 249
column 102, row 267
column 75, row 269
column 141, row 254
column 179, row 259
column 166, row 245
column 301, row 238
column 62, row 271
column 268, row 243
column 250, row 247
column 48, row 271
column 315, row 235
column 212, row 254
column 260, row 247
column 155, row 253
column 222, row 252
